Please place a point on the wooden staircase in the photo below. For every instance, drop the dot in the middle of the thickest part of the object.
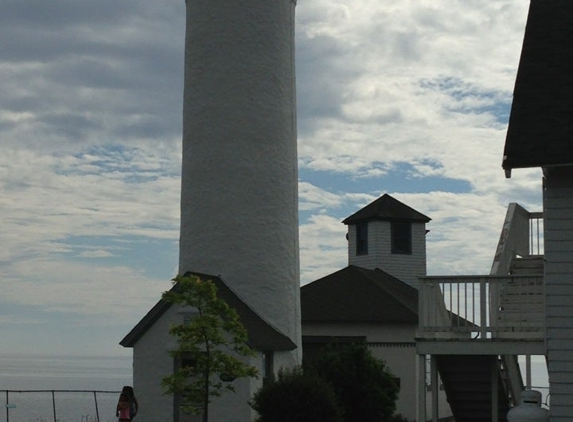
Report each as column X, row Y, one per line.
column 522, row 302
column 479, row 368
column 467, row 381
column 532, row 265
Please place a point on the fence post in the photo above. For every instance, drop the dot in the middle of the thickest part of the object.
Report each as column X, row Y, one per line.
column 97, row 410
column 54, row 405
column 421, row 308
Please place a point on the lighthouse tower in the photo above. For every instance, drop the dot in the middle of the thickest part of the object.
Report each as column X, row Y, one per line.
column 239, row 177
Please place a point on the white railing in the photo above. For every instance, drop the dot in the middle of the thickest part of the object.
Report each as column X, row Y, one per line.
column 481, row 307
column 521, row 236
column 536, row 233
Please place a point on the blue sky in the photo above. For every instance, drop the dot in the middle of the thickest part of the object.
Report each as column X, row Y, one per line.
column 408, row 98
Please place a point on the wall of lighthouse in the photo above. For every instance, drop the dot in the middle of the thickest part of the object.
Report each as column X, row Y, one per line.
column 239, row 178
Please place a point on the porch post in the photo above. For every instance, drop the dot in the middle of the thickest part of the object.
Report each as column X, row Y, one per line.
column 435, row 387
column 483, row 309
column 421, row 394
column 528, row 372
column 494, row 391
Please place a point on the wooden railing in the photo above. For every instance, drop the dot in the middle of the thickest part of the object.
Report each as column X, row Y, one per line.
column 481, row 307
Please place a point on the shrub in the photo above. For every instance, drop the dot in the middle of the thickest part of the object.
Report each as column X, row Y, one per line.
column 296, row 397
column 364, row 387
column 398, row 418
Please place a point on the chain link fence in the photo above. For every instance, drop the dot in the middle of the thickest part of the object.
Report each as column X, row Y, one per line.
column 59, row 405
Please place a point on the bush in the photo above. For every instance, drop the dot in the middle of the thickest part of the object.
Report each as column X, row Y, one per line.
column 398, row 418
column 296, row 397
column 364, row 388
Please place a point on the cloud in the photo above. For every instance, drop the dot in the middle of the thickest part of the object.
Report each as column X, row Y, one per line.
column 99, row 253
column 406, row 98
column 87, row 289
column 322, row 247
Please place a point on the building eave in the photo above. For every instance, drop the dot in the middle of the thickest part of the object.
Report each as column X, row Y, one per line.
column 540, row 131
column 262, row 335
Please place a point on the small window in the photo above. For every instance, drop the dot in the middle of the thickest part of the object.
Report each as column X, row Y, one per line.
column 187, row 362
column 401, row 237
column 186, row 412
column 188, row 317
column 268, row 366
column 362, row 239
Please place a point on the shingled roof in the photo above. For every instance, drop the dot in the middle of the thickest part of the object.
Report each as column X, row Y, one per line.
column 386, row 208
column 540, row 132
column 355, row 294
column 262, row 336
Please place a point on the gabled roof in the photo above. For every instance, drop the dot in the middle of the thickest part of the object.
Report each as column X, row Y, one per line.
column 540, row 132
column 262, row 336
column 386, row 208
column 355, row 294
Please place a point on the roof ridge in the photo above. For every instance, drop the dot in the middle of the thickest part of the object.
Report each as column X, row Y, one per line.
column 386, row 208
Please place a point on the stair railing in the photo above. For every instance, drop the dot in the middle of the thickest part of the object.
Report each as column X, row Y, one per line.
column 521, row 235
column 457, row 306
column 511, row 376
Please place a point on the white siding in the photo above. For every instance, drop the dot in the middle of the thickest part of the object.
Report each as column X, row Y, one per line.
column 558, row 215
column 152, row 362
column 406, row 268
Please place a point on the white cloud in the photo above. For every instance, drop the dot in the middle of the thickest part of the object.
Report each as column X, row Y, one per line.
column 93, row 293
column 90, row 138
column 99, row 253
column 322, row 247
column 313, row 198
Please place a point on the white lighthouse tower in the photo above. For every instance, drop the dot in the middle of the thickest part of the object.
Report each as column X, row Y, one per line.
column 239, row 179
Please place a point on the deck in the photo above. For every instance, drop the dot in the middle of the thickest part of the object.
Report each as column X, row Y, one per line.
column 482, row 315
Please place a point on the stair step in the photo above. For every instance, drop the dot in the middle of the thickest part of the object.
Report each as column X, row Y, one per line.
column 523, row 289
column 526, row 266
column 525, row 297
column 520, row 317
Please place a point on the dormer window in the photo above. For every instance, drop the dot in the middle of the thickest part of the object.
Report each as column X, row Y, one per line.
column 362, row 239
column 401, row 237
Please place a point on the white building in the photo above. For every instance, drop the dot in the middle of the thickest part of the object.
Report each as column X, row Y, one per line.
column 540, row 134
column 374, row 300
column 152, row 360
column 239, row 193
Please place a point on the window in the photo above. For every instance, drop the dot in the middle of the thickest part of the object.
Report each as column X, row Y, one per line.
column 188, row 316
column 268, row 367
column 362, row 239
column 185, row 413
column 401, row 237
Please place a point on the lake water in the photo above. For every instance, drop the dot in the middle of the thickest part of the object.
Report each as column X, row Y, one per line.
column 45, row 375
column 107, row 375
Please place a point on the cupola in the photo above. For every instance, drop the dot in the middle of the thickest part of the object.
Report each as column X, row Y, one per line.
column 391, row 236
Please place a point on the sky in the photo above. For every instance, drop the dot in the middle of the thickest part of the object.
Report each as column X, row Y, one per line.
column 409, row 98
